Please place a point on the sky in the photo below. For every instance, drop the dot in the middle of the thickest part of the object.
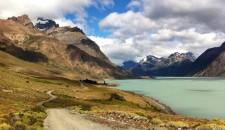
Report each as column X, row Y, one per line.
column 132, row 29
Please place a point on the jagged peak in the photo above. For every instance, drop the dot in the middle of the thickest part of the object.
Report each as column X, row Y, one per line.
column 44, row 24
column 76, row 29
column 150, row 59
column 173, row 58
column 23, row 19
column 182, row 56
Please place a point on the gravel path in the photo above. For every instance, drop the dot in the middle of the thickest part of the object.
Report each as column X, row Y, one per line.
column 52, row 97
column 62, row 119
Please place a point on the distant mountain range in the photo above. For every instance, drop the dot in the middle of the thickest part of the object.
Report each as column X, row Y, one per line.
column 65, row 48
column 177, row 64
column 211, row 63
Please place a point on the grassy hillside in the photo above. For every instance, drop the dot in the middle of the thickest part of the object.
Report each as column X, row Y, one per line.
column 23, row 84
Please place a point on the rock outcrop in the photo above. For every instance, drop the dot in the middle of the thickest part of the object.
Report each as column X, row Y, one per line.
column 24, row 20
column 44, row 24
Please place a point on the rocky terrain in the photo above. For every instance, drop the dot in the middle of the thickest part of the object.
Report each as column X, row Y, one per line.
column 210, row 63
column 177, row 64
column 66, row 48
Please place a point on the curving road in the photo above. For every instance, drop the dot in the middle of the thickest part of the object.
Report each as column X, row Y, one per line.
column 52, row 97
column 62, row 119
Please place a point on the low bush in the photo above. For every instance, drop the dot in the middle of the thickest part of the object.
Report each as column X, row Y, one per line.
column 177, row 124
column 156, row 121
column 4, row 126
column 20, row 125
column 211, row 126
column 218, row 121
column 26, row 119
column 115, row 96
column 38, row 109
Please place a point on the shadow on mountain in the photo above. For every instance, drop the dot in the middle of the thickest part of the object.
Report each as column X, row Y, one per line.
column 26, row 55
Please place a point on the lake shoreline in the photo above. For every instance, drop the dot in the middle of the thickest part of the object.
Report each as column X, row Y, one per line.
column 162, row 106
column 166, row 108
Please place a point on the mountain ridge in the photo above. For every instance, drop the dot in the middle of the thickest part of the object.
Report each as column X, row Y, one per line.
column 88, row 61
column 177, row 64
column 210, row 63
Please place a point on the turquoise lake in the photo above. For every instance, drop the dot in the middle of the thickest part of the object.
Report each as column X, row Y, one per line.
column 196, row 97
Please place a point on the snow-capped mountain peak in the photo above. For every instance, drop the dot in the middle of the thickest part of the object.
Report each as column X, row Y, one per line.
column 150, row 60
column 173, row 58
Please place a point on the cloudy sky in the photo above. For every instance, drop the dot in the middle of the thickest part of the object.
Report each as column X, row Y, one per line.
column 132, row 29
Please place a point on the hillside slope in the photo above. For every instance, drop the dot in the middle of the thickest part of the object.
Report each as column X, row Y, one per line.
column 20, row 38
column 211, row 63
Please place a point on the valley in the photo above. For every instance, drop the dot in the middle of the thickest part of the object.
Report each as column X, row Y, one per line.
column 20, row 92
column 43, row 69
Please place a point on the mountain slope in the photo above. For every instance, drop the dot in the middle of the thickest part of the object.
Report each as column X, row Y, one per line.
column 176, row 64
column 30, row 44
column 210, row 63
column 129, row 65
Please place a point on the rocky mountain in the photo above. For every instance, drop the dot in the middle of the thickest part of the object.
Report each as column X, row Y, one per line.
column 176, row 64
column 211, row 63
column 75, row 36
column 129, row 65
column 65, row 48
column 44, row 24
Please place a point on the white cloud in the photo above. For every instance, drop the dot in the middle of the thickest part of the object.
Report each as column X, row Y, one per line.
column 210, row 13
column 52, row 9
column 127, row 24
column 102, row 41
column 104, row 3
column 162, row 27
column 134, row 4
column 117, row 50
column 64, row 22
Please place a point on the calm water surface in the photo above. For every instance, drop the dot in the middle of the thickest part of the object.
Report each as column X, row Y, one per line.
column 196, row 97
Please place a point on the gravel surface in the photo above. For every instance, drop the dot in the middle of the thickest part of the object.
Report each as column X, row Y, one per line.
column 62, row 119
column 52, row 97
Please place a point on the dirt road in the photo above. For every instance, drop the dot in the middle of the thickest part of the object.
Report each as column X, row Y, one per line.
column 62, row 119
column 52, row 97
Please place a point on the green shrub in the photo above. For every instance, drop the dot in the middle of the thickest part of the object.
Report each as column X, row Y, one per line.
column 38, row 109
column 156, row 121
column 4, row 126
column 115, row 96
column 211, row 126
column 36, row 128
column 177, row 124
column 219, row 121
column 85, row 107
column 32, row 119
column 20, row 126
